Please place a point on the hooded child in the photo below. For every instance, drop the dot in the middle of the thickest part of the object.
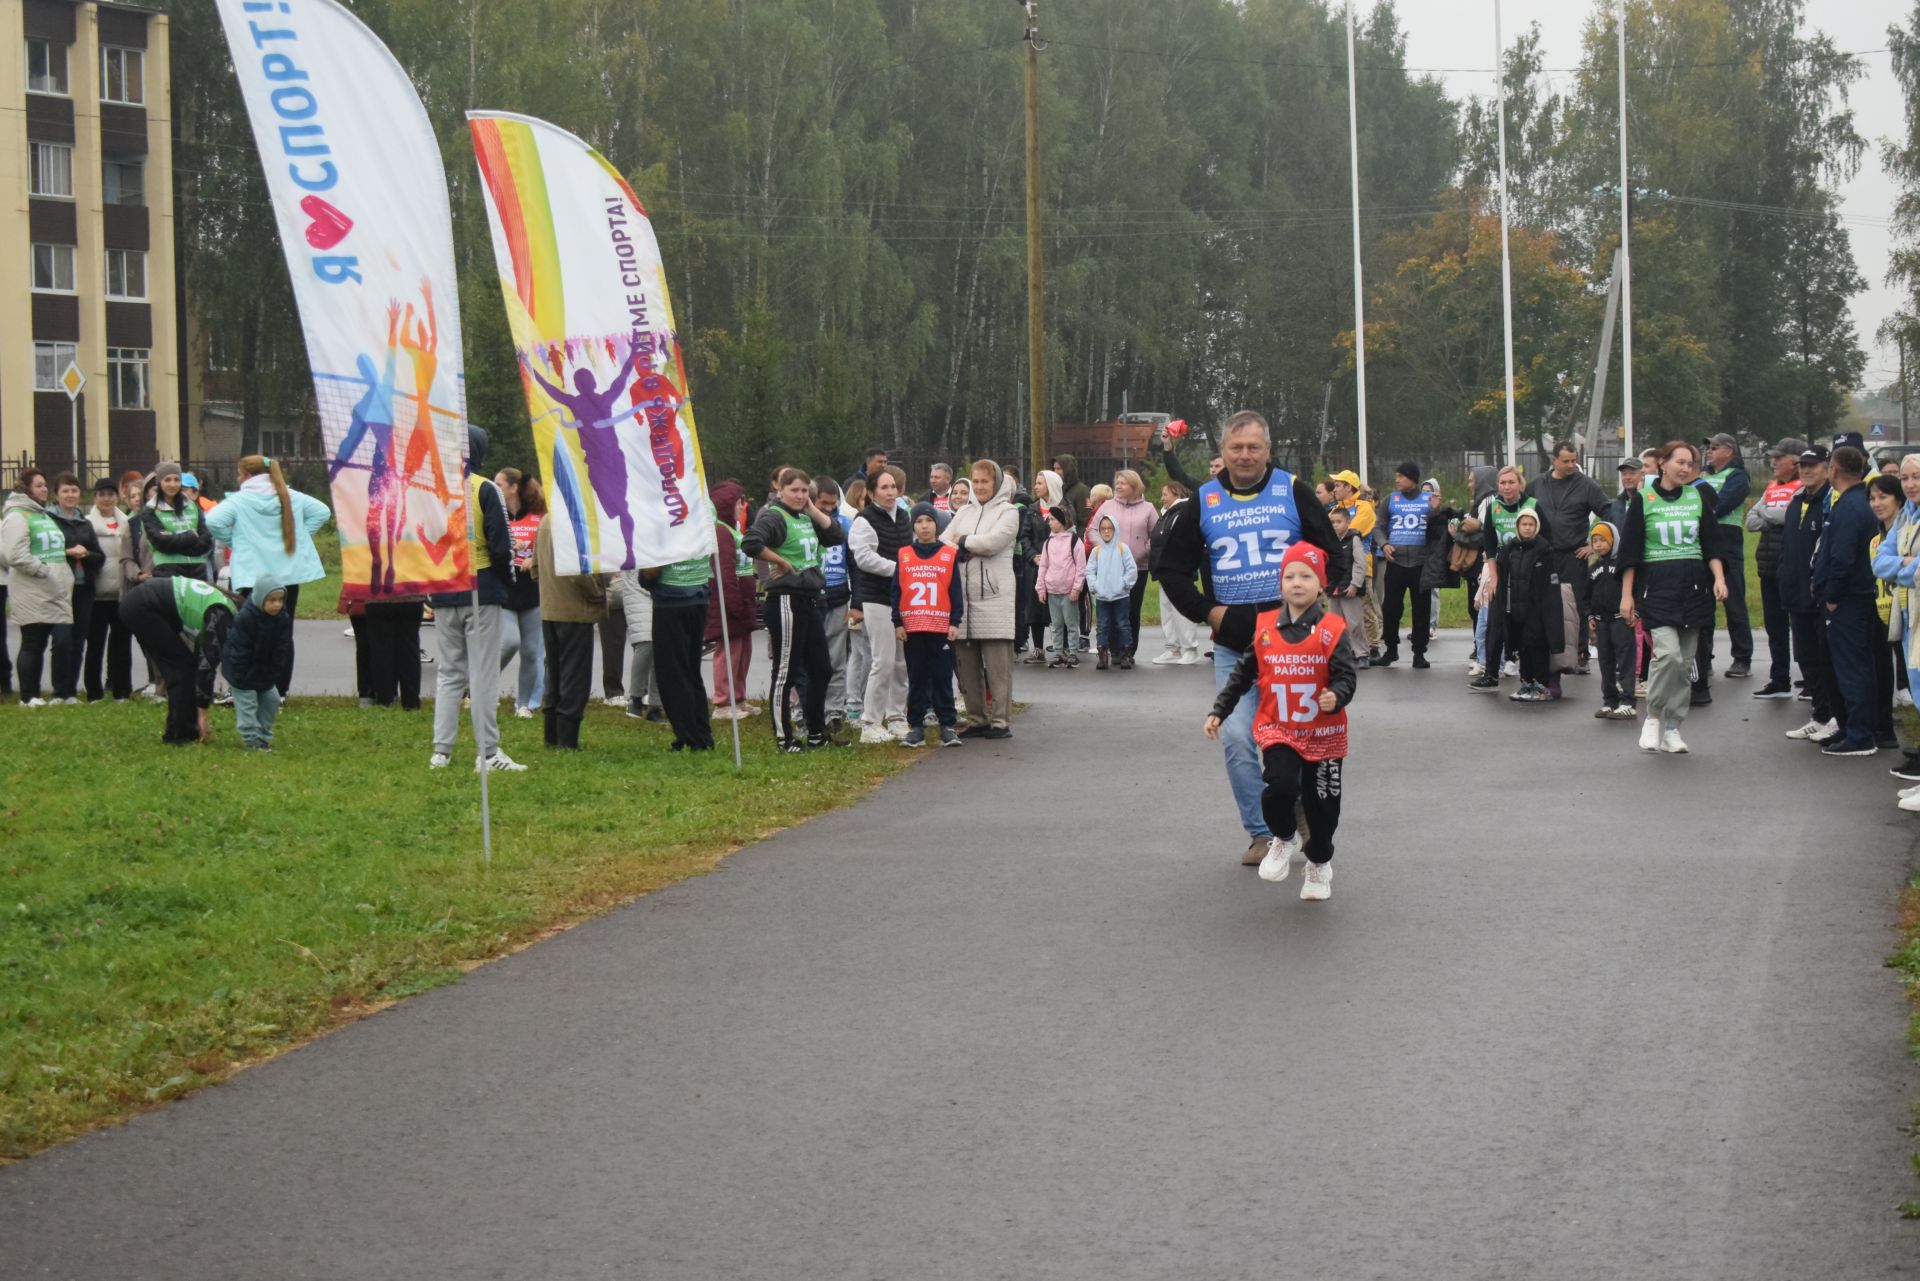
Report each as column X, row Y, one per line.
column 1529, row 600
column 1062, row 576
column 1300, row 669
column 259, row 648
column 1612, row 634
column 1111, row 574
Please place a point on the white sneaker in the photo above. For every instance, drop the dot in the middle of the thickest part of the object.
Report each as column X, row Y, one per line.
column 35, row 702
column 1317, row 885
column 1512, row 668
column 1191, row 657
column 1670, row 741
column 523, row 713
column 615, row 701
column 1650, row 735
column 875, row 735
column 439, row 760
column 499, row 763
column 1910, row 791
column 1910, row 803
column 1805, row 731
column 1168, row 655
column 1279, row 860
column 896, row 729
column 1476, row 669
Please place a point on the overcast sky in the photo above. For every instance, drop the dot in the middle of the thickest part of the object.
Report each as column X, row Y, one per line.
column 1459, row 33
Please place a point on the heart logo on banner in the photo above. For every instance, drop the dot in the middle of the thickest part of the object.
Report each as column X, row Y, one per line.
column 328, row 226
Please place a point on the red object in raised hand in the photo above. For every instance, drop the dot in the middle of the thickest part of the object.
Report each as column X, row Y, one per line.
column 1176, row 429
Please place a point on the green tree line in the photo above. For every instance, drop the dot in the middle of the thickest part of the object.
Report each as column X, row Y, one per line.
column 838, row 189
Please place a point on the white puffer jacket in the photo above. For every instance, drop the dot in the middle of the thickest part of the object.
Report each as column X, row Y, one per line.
column 986, row 531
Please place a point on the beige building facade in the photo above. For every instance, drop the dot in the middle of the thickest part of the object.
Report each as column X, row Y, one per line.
column 87, row 270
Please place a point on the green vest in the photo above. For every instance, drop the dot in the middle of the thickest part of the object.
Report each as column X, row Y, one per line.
column 44, row 539
column 182, row 522
column 742, row 563
column 1506, row 524
column 192, row 599
column 802, row 546
column 1718, row 480
column 1673, row 528
column 697, row 572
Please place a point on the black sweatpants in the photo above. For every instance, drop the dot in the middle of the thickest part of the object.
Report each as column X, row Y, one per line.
column 109, row 640
column 1850, row 659
column 390, row 631
column 1136, row 600
column 798, row 636
column 1034, row 632
column 613, row 652
column 1618, row 665
column 569, row 680
column 34, row 641
column 930, row 678
column 1405, row 578
column 1313, row 785
column 1536, row 661
column 66, row 679
column 679, row 631
column 6, row 660
column 150, row 616
column 1810, row 644
column 1779, row 631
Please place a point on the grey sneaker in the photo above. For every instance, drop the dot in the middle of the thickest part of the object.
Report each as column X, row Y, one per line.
column 949, row 737
column 916, row 737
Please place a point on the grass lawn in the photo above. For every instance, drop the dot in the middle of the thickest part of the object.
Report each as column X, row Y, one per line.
column 192, row 909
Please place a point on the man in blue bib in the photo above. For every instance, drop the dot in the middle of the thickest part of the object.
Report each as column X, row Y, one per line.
column 1405, row 550
column 1232, row 537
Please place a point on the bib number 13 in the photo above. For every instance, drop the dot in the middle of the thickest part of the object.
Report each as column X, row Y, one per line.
column 1250, row 550
column 1298, row 703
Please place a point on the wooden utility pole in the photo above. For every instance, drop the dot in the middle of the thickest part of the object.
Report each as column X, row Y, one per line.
column 1036, row 265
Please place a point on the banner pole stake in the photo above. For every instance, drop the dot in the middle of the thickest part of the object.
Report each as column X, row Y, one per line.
column 726, row 647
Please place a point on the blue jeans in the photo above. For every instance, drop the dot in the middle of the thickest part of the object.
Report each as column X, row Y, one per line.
column 520, row 636
column 254, row 712
column 1480, row 632
column 1243, row 756
column 1116, row 633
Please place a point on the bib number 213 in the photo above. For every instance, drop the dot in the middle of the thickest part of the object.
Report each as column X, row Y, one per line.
column 1251, row 550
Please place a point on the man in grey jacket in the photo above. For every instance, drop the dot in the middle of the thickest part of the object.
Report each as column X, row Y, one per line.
column 1570, row 500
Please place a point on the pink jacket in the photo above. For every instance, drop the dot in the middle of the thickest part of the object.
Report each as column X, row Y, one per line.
column 1132, row 524
column 1063, row 569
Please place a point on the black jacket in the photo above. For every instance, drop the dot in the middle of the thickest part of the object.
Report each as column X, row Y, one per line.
column 1603, row 573
column 1187, row 557
column 1529, row 595
column 79, row 533
column 1799, row 535
column 1342, row 676
column 1843, row 566
column 891, row 531
column 1675, row 593
column 259, row 648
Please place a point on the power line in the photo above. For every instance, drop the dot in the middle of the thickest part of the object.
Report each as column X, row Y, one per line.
column 1291, row 64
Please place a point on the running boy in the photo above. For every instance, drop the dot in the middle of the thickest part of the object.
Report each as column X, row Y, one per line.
column 928, row 606
column 1305, row 676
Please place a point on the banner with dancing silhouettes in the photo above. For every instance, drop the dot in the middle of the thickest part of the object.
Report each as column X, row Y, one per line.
column 601, row 362
column 360, row 196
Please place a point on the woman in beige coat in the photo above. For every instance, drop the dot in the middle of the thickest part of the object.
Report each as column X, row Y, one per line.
column 40, row 587
column 986, row 529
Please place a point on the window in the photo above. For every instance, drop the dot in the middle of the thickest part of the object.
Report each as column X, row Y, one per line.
column 50, row 360
column 129, row 370
column 127, row 273
column 53, row 269
column 46, row 67
column 220, row 356
column 52, row 165
column 279, row 442
column 123, row 180
column 122, row 75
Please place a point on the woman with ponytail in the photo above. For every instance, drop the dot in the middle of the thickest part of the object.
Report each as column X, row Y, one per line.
column 269, row 529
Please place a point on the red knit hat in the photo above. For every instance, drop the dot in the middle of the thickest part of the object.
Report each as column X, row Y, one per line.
column 1310, row 556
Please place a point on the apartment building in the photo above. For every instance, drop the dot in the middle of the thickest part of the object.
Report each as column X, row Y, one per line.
column 86, row 238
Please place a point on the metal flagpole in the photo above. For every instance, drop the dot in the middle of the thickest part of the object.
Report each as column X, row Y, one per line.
column 477, row 535
column 1506, row 252
column 726, row 645
column 1626, row 258
column 1359, row 298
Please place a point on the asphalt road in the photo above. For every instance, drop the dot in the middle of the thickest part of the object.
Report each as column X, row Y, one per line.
column 1573, row 1012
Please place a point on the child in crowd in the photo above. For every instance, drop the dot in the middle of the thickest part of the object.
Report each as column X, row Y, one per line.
column 1111, row 574
column 1301, row 670
column 928, row 606
column 1528, row 594
column 260, row 641
column 1062, row 576
column 1612, row 634
column 1350, row 598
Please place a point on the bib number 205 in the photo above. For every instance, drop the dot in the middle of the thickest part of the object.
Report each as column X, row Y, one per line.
column 1251, row 550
